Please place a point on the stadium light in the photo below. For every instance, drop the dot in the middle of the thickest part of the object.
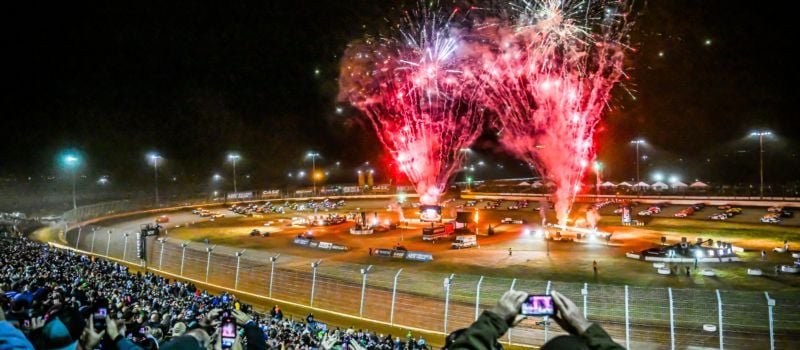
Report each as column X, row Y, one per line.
column 760, row 135
column 313, row 156
column 637, row 142
column 72, row 161
column 233, row 158
column 658, row 177
column 155, row 158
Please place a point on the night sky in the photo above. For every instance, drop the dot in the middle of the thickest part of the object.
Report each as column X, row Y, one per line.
column 196, row 81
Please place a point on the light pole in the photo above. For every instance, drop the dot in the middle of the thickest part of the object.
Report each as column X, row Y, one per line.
column 272, row 260
column 314, row 266
column 313, row 156
column 637, row 143
column 761, row 135
column 72, row 162
column 155, row 157
column 234, row 157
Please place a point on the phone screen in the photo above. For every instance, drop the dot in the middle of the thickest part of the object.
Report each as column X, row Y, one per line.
column 538, row 305
column 228, row 332
column 100, row 318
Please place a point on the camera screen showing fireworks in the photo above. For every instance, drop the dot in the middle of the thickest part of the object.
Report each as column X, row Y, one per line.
column 416, row 87
column 548, row 78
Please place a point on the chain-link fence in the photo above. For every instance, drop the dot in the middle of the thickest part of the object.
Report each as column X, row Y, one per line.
column 638, row 317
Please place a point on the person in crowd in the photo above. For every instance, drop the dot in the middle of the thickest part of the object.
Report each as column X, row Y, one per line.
column 49, row 299
column 484, row 333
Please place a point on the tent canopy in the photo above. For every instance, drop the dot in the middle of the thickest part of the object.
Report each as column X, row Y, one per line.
column 624, row 183
column 641, row 184
column 678, row 184
column 698, row 184
column 608, row 184
column 659, row 186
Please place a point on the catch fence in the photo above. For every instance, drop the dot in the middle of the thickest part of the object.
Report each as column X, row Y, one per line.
column 637, row 317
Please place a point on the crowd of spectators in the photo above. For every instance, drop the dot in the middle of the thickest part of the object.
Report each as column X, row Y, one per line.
column 55, row 299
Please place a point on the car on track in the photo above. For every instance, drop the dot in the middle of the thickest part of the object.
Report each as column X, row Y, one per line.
column 775, row 209
column 645, row 213
column 719, row 216
column 771, row 218
column 162, row 219
column 734, row 211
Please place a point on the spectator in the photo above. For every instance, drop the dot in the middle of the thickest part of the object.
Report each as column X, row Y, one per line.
column 493, row 323
column 141, row 307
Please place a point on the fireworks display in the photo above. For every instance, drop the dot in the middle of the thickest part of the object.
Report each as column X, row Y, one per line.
column 549, row 79
column 545, row 68
column 417, row 89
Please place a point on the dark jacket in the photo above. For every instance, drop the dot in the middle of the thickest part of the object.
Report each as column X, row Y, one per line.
column 254, row 336
column 483, row 334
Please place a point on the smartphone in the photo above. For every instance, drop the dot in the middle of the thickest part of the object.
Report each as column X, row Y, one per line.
column 538, row 305
column 228, row 332
column 99, row 314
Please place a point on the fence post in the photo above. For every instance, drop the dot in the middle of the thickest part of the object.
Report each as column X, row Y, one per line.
column 546, row 318
column 478, row 298
column 108, row 244
column 183, row 255
column 272, row 260
column 314, row 266
column 719, row 313
column 94, row 234
column 208, row 261
column 161, row 254
column 447, row 281
column 125, row 247
column 236, row 280
column 394, row 296
column 585, row 293
column 513, row 284
column 364, row 273
column 770, row 305
column 627, row 321
column 78, row 241
column 671, row 321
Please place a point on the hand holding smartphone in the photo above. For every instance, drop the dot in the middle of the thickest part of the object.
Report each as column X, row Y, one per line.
column 538, row 305
column 228, row 332
column 99, row 313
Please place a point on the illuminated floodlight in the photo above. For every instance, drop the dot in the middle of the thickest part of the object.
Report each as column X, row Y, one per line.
column 658, row 176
